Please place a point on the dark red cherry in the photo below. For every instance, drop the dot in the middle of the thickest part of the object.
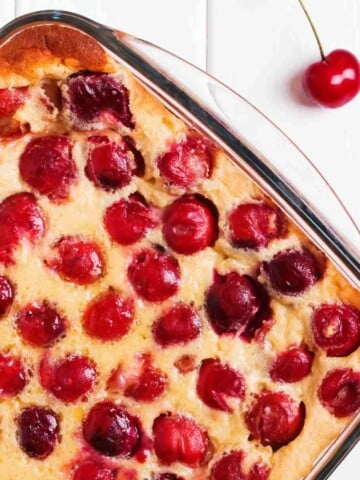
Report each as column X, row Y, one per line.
column 179, row 325
column 91, row 470
column 12, row 375
column 166, row 476
column 186, row 163
column 128, row 220
column 232, row 302
column 38, row 431
column 109, row 316
column 148, row 386
column 190, row 225
column 339, row 392
column 335, row 80
column 40, row 324
column 154, row 275
column 20, row 217
column 91, row 97
column 77, row 260
column 110, row 430
column 217, row 382
column 6, row 295
column 254, row 225
column 261, row 323
column 178, row 438
column 110, row 164
column 47, row 166
column 275, row 419
column 11, row 99
column 292, row 272
column 68, row 379
column 336, row 329
column 231, row 467
column 292, row 365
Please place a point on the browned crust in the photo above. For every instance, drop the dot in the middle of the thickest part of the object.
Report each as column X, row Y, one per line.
column 49, row 48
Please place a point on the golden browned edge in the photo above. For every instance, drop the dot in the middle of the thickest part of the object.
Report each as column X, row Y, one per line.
column 51, row 50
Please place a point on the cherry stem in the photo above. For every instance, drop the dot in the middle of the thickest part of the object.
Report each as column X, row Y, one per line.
column 313, row 29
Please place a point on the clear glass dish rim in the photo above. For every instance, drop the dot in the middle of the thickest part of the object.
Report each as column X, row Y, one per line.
column 110, row 39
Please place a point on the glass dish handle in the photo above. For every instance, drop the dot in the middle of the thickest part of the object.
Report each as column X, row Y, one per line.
column 258, row 133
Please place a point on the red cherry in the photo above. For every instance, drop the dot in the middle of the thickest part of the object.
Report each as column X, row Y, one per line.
column 335, row 80
column 166, row 476
column 230, row 467
column 292, row 272
column 46, row 165
column 128, row 220
column 339, row 392
column 179, row 325
column 111, row 431
column 154, row 275
column 190, row 224
column 109, row 316
column 20, row 217
column 90, row 99
column 150, row 385
column 6, row 295
column 292, row 365
column 91, row 470
column 110, row 164
column 179, row 439
column 232, row 302
column 261, row 323
column 218, row 381
column 275, row 419
column 11, row 99
column 254, row 225
column 12, row 376
column 38, row 431
column 40, row 324
column 186, row 163
column 77, row 260
column 336, row 329
column 68, row 379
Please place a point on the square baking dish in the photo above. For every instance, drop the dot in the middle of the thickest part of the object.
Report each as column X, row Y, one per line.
column 252, row 142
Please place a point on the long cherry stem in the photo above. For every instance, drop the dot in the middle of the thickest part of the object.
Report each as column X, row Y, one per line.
column 313, row 29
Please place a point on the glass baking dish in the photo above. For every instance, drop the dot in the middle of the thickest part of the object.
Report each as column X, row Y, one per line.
column 252, row 141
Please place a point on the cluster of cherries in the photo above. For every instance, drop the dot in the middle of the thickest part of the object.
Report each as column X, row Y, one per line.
column 235, row 304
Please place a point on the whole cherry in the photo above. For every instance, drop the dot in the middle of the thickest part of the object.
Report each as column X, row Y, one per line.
column 335, row 79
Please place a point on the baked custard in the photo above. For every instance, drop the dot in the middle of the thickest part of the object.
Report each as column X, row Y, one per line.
column 161, row 318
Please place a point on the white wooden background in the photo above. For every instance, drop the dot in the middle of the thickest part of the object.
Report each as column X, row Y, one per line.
column 258, row 47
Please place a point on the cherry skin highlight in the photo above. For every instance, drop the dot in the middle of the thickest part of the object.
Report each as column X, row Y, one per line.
column 77, row 260
column 335, row 80
column 275, row 419
column 111, row 431
column 189, row 225
column 7, row 292
column 12, row 375
column 128, row 220
column 109, row 316
column 178, row 438
column 339, row 392
column 68, row 379
column 187, row 163
column 217, row 382
column 336, row 329
column 154, row 275
column 90, row 470
column 291, row 365
column 254, row 225
column 177, row 326
column 40, row 324
column 292, row 272
column 38, row 431
column 47, row 166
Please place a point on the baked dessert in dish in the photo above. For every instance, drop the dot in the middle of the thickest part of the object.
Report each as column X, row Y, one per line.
column 161, row 318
